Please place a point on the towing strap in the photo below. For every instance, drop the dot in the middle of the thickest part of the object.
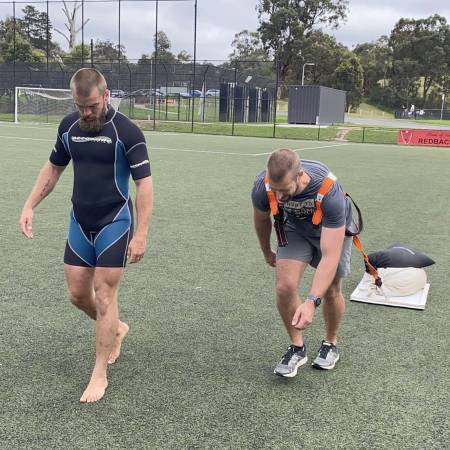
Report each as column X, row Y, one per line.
column 369, row 267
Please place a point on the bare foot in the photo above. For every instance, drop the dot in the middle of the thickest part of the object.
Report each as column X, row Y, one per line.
column 121, row 333
column 95, row 390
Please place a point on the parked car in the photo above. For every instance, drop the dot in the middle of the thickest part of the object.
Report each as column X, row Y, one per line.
column 213, row 93
column 192, row 93
column 147, row 93
column 118, row 93
column 156, row 93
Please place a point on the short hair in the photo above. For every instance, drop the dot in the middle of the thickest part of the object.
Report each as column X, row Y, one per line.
column 86, row 79
column 281, row 162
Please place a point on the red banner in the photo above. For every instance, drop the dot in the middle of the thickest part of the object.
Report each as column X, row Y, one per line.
column 432, row 138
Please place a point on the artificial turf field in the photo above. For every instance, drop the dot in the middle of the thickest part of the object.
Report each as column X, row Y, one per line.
column 196, row 368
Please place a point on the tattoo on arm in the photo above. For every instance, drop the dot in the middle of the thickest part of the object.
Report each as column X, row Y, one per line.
column 45, row 189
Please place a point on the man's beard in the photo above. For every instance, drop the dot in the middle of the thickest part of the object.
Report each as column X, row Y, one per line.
column 94, row 125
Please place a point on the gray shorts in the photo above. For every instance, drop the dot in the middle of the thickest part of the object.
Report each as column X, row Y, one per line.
column 307, row 249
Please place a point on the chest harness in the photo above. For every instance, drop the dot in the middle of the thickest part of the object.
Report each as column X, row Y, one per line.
column 326, row 186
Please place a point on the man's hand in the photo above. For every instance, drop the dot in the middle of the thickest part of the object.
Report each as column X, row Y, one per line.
column 26, row 222
column 304, row 315
column 271, row 258
column 136, row 249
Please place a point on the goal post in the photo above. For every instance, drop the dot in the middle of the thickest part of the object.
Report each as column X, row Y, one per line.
column 42, row 105
column 45, row 105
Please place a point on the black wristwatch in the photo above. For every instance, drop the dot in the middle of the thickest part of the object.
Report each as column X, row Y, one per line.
column 313, row 298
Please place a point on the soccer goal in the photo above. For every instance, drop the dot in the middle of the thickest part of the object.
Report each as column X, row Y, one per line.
column 45, row 105
column 42, row 105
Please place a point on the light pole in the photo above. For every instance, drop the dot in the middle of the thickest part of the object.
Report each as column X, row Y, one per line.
column 303, row 71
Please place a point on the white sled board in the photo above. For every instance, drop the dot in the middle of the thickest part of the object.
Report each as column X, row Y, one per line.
column 415, row 301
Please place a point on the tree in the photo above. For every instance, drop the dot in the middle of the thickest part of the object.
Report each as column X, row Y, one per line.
column 7, row 29
column 247, row 46
column 79, row 54
column 71, row 25
column 34, row 25
column 420, row 50
column 163, row 46
column 184, row 56
column 249, row 54
column 284, row 25
column 348, row 77
column 107, row 51
column 30, row 37
column 376, row 60
column 23, row 51
column 324, row 52
column 145, row 59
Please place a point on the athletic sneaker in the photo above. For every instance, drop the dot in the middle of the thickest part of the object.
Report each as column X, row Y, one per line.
column 328, row 356
column 290, row 362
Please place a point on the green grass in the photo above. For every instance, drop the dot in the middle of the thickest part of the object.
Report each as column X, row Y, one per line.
column 435, row 122
column 343, row 132
column 6, row 117
column 373, row 135
column 372, row 111
column 196, row 369
column 174, row 110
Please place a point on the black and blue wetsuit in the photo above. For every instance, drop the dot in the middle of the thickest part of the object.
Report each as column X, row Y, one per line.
column 101, row 220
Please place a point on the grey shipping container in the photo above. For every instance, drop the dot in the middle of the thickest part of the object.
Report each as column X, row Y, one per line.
column 318, row 105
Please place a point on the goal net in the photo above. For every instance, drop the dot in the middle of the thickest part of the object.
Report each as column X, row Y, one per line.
column 44, row 105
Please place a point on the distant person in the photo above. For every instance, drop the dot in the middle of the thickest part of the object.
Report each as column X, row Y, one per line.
column 291, row 186
column 404, row 111
column 412, row 111
column 105, row 148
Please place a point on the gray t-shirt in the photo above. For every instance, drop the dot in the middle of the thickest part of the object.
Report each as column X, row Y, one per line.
column 299, row 209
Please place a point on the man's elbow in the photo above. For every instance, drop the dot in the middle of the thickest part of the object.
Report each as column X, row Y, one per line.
column 144, row 184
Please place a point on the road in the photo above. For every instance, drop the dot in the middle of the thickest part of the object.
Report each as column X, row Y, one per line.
column 394, row 123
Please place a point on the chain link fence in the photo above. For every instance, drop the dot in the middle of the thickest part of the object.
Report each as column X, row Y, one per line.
column 211, row 98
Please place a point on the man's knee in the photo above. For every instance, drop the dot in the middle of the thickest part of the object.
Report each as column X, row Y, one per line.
column 286, row 290
column 79, row 298
column 104, row 297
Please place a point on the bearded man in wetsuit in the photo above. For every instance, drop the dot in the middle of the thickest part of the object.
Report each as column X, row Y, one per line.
column 105, row 148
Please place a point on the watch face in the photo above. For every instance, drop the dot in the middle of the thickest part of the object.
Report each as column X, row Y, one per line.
column 316, row 300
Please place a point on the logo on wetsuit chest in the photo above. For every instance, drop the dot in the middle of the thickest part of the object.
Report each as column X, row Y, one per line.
column 101, row 139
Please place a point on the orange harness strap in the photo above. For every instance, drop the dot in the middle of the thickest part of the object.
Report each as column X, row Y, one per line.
column 272, row 197
column 327, row 184
column 278, row 215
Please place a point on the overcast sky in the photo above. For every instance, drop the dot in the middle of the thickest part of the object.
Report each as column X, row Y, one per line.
column 219, row 20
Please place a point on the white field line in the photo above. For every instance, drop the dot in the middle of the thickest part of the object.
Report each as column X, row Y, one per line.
column 186, row 150
column 53, row 128
column 27, row 139
column 50, row 126
column 305, row 148
column 200, row 151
